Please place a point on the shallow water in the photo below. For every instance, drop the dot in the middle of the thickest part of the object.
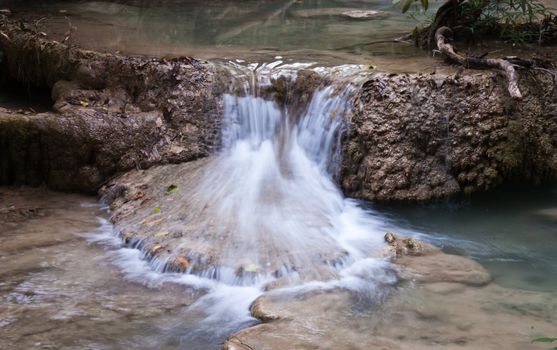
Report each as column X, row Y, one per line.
column 66, row 283
column 251, row 30
column 511, row 231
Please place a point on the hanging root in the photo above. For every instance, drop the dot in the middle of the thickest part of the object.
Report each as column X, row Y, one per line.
column 508, row 65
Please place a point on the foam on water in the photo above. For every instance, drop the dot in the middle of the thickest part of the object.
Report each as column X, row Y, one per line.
column 276, row 206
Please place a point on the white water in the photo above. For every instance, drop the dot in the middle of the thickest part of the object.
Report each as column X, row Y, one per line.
column 276, row 214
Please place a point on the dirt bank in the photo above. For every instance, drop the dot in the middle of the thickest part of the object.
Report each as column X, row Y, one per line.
column 110, row 113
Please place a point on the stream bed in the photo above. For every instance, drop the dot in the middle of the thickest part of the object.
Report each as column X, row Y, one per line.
column 67, row 283
column 264, row 218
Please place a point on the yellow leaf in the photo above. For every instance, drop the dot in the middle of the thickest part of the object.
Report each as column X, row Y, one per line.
column 151, row 223
column 84, row 103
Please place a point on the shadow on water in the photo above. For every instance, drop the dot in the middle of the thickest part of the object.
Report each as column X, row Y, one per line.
column 510, row 230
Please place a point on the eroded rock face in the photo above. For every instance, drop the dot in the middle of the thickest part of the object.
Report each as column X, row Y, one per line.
column 420, row 137
column 110, row 113
column 411, row 137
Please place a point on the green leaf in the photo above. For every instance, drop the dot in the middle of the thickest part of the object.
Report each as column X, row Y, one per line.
column 171, row 189
column 157, row 209
column 544, row 340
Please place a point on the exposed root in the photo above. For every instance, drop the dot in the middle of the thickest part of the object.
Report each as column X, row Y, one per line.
column 508, row 65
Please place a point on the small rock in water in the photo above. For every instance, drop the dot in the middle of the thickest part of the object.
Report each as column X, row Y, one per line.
column 404, row 246
column 389, row 237
column 350, row 13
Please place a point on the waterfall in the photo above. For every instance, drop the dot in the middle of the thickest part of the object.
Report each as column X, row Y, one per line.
column 267, row 204
column 265, row 214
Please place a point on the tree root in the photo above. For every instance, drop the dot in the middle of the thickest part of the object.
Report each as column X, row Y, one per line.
column 508, row 65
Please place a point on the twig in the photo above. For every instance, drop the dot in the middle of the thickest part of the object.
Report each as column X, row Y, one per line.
column 5, row 35
column 397, row 40
column 68, row 34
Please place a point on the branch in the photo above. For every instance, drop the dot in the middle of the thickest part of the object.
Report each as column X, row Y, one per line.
column 448, row 50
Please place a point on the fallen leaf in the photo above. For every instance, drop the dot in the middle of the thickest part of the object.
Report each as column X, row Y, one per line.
column 182, row 262
column 171, row 189
column 161, row 234
column 156, row 249
column 151, row 223
column 84, row 103
column 157, row 209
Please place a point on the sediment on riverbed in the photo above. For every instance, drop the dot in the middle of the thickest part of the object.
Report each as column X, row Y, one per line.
column 410, row 137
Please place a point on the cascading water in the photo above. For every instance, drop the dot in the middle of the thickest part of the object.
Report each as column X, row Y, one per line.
column 265, row 213
column 266, row 207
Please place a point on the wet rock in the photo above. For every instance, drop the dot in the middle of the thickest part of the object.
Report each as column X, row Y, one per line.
column 407, row 245
column 111, row 113
column 176, row 212
column 416, row 138
column 350, row 13
column 422, row 317
column 423, row 263
column 548, row 214
column 440, row 267
column 20, row 214
column 446, row 287
column 259, row 310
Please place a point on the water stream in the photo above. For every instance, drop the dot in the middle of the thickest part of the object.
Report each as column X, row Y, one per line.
column 265, row 212
column 273, row 221
column 263, row 216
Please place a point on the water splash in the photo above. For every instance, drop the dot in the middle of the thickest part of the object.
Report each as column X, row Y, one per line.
column 267, row 205
column 266, row 213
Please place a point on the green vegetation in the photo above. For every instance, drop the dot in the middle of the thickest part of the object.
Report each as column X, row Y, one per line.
column 171, row 189
column 546, row 340
column 516, row 21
